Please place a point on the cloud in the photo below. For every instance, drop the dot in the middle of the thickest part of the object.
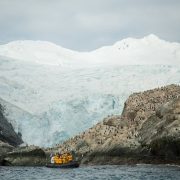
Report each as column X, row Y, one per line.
column 86, row 25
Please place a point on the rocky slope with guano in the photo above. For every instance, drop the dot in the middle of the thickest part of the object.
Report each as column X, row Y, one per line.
column 147, row 131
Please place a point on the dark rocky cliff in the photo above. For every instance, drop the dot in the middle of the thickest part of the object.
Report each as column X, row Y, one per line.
column 7, row 133
column 10, row 153
column 148, row 131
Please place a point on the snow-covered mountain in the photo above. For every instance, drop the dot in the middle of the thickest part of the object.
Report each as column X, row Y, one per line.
column 130, row 51
column 64, row 92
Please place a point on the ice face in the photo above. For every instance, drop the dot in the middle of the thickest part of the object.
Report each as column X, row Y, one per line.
column 51, row 93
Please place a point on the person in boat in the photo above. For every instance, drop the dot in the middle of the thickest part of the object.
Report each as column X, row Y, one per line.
column 65, row 159
column 57, row 159
column 52, row 159
column 61, row 158
column 69, row 157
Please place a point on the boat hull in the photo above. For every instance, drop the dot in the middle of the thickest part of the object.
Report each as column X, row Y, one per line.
column 73, row 164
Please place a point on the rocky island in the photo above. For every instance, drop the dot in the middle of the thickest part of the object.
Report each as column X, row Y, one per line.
column 147, row 131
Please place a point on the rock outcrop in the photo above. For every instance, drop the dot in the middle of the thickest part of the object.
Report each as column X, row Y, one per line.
column 9, row 139
column 4, row 149
column 25, row 156
column 7, row 133
column 161, row 132
column 146, row 131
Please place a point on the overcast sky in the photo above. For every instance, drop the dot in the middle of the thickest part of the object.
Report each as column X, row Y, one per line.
column 88, row 24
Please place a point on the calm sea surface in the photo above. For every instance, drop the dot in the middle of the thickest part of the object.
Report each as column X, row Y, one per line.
column 154, row 172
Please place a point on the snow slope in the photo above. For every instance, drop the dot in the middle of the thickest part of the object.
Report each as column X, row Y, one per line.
column 130, row 51
column 63, row 92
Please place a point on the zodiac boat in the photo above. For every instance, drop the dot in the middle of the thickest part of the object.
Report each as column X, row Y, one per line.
column 72, row 164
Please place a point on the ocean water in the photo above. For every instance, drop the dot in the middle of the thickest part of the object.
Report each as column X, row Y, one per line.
column 136, row 172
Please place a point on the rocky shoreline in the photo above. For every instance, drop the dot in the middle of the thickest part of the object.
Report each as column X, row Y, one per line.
column 147, row 131
column 25, row 156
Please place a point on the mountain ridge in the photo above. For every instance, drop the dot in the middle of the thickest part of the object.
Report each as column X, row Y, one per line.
column 125, row 52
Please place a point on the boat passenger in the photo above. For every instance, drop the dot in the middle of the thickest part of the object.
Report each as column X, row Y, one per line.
column 56, row 159
column 70, row 158
column 52, row 160
column 64, row 158
column 59, row 160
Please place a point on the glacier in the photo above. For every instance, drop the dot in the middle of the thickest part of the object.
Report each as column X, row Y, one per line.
column 51, row 93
